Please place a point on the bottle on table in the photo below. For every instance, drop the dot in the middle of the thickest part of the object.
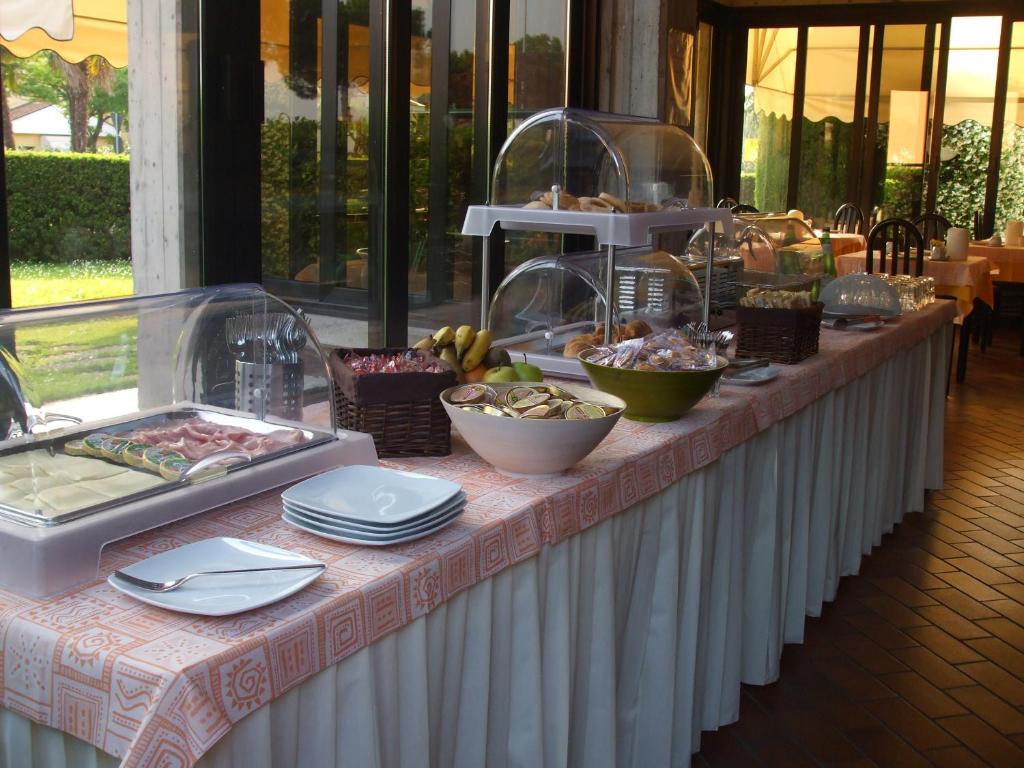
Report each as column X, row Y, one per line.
column 827, row 258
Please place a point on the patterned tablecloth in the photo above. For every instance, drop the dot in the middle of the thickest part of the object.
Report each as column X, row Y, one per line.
column 843, row 242
column 964, row 279
column 160, row 688
column 1009, row 260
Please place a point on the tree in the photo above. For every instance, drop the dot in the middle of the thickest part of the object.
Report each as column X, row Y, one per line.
column 90, row 89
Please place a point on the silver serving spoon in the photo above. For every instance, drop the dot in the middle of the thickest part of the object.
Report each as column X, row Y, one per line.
column 167, row 586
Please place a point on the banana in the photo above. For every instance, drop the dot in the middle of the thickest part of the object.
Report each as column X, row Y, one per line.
column 444, row 337
column 424, row 343
column 464, row 339
column 449, row 355
column 475, row 354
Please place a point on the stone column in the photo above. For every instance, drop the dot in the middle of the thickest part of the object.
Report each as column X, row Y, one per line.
column 163, row 61
column 637, row 39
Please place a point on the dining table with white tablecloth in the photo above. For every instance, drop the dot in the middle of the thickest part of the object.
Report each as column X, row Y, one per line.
column 599, row 617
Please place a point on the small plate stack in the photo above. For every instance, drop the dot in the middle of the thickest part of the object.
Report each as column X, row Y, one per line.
column 372, row 506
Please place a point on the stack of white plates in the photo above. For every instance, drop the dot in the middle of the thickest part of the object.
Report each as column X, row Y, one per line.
column 372, row 506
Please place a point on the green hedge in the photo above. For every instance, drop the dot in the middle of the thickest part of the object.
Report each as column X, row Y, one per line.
column 64, row 206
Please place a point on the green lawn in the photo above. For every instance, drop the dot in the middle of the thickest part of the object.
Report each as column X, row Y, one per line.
column 71, row 359
column 34, row 284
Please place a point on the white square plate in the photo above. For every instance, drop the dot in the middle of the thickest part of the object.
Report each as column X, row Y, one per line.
column 371, row 494
column 342, row 522
column 224, row 594
column 364, row 539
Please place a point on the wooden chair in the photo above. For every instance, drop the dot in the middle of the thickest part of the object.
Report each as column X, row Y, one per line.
column 744, row 208
column 849, row 219
column 979, row 227
column 903, row 237
column 727, row 202
column 932, row 226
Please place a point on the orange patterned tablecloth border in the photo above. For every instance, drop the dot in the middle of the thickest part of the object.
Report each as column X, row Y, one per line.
column 160, row 688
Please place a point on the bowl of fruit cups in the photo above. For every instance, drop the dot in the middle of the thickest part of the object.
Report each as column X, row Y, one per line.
column 660, row 377
column 531, row 428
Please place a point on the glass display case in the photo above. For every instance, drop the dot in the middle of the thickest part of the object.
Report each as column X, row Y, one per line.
column 621, row 179
column 778, row 251
column 601, row 162
column 116, row 416
column 555, row 306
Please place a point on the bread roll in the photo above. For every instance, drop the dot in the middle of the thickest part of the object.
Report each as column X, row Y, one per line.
column 613, row 201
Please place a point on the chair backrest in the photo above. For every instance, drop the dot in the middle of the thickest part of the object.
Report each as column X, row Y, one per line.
column 744, row 208
column 932, row 226
column 896, row 237
column 979, row 226
column 727, row 202
column 849, row 219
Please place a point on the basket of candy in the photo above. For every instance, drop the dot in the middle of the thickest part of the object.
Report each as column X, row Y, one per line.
column 660, row 376
column 392, row 395
column 781, row 325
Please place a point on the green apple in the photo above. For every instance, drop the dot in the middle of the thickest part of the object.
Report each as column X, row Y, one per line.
column 528, row 371
column 503, row 373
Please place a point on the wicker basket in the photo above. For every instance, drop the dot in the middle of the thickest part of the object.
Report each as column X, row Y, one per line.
column 781, row 335
column 401, row 410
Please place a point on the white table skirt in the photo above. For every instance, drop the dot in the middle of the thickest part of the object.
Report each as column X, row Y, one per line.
column 619, row 645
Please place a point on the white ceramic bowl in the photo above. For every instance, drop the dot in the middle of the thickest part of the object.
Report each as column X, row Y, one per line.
column 534, row 446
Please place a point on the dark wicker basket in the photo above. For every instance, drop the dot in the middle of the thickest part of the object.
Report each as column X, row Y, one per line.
column 781, row 335
column 401, row 410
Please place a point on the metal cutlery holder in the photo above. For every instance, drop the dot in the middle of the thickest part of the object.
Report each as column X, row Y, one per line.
column 269, row 388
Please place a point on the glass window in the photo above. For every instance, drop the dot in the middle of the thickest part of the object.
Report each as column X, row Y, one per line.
column 536, row 81
column 902, row 123
column 67, row 143
column 1010, row 200
column 967, row 118
column 826, row 142
column 442, row 287
column 314, row 182
column 767, row 116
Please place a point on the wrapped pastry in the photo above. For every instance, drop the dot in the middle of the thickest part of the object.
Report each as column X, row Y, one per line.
column 666, row 351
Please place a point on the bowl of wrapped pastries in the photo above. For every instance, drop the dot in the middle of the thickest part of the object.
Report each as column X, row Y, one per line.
column 660, row 376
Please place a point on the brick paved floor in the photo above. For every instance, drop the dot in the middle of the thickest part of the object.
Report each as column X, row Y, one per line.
column 920, row 660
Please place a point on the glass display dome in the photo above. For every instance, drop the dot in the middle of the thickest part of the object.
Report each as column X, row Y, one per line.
column 601, row 162
column 778, row 251
column 555, row 305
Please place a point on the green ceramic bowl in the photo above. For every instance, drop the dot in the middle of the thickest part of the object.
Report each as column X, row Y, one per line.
column 654, row 395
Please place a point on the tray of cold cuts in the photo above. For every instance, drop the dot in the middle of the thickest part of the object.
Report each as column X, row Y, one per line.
column 49, row 482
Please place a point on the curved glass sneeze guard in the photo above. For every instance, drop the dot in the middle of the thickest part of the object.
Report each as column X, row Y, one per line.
column 231, row 360
column 550, row 304
column 637, row 160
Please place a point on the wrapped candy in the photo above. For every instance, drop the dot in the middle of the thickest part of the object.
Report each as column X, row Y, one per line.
column 410, row 361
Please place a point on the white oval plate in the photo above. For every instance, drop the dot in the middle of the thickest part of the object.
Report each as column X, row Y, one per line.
column 218, row 595
column 352, row 537
column 344, row 522
column 753, row 376
column 371, row 494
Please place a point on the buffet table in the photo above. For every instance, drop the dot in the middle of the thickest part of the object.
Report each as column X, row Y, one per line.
column 963, row 279
column 1008, row 259
column 601, row 617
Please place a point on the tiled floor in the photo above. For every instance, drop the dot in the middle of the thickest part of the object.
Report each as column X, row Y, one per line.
column 920, row 660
